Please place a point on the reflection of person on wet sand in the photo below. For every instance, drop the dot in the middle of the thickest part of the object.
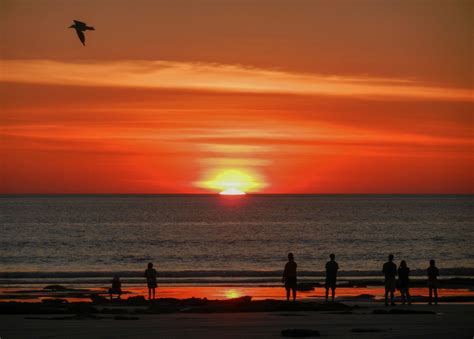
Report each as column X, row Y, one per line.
column 390, row 272
column 331, row 274
column 150, row 275
column 404, row 282
column 433, row 274
column 116, row 288
column 289, row 277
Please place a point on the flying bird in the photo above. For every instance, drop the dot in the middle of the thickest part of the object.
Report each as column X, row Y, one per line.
column 80, row 28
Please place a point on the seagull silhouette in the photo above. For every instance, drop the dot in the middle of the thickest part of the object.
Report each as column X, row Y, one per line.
column 80, row 27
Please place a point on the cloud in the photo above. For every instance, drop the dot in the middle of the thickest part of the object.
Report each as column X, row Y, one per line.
column 219, row 77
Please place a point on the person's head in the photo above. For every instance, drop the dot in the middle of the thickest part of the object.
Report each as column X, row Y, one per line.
column 291, row 257
column 390, row 257
column 332, row 256
column 150, row 265
column 432, row 263
column 403, row 263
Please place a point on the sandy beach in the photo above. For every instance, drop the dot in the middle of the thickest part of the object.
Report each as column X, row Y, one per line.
column 448, row 321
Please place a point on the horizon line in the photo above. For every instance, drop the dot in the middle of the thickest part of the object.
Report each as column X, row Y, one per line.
column 224, row 197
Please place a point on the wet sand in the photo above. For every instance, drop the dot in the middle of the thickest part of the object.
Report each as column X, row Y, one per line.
column 448, row 321
column 74, row 293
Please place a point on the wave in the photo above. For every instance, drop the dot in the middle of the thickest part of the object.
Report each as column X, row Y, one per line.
column 457, row 271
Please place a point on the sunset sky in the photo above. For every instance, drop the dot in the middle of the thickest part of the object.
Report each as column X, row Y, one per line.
column 269, row 96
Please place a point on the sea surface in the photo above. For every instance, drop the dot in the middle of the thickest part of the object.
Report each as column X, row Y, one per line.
column 216, row 237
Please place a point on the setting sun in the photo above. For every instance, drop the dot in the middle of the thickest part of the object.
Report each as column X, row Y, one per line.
column 232, row 191
column 232, row 294
column 232, row 182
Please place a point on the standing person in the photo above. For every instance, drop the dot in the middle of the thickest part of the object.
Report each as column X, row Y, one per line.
column 390, row 272
column 289, row 277
column 433, row 274
column 331, row 274
column 116, row 288
column 150, row 275
column 404, row 282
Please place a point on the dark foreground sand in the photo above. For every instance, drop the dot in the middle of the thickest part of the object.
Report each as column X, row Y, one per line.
column 450, row 321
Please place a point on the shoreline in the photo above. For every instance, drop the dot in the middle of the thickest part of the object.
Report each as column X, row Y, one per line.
column 306, row 292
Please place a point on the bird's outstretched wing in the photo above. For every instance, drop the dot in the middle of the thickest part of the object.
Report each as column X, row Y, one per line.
column 77, row 22
column 81, row 36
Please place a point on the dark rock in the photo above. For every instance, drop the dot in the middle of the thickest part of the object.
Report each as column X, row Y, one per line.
column 137, row 300
column 366, row 296
column 55, row 288
column 195, row 302
column 340, row 312
column 244, row 299
column 405, row 311
column 402, row 311
column 379, row 311
column 299, row 333
column 82, row 308
column 55, row 301
column 74, row 317
column 98, row 299
column 121, row 317
column 115, row 310
column 291, row 315
column 30, row 308
column 368, row 330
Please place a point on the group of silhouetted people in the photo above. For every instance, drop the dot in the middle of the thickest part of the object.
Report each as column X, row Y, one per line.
column 389, row 270
column 150, row 275
column 289, row 278
column 403, row 283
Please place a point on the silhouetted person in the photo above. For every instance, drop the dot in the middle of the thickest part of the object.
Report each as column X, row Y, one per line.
column 404, row 281
column 150, row 275
column 116, row 288
column 331, row 274
column 80, row 28
column 289, row 277
column 433, row 274
column 390, row 272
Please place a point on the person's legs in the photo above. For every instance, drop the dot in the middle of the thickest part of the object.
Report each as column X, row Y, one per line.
column 333, row 293
column 408, row 296
column 294, row 293
column 431, row 294
column 392, row 298
column 386, row 296
column 402, row 293
column 149, row 293
column 153, row 293
column 436, row 295
column 287, row 294
column 327, row 293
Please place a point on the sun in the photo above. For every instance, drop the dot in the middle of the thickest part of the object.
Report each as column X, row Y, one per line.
column 232, row 191
column 232, row 182
column 232, row 294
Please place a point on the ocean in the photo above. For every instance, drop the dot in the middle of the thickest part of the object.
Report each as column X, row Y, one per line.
column 211, row 238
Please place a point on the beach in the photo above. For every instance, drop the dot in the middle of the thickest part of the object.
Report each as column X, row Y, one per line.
column 446, row 321
column 234, row 311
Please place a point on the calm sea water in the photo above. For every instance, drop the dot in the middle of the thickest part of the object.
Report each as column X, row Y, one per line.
column 238, row 236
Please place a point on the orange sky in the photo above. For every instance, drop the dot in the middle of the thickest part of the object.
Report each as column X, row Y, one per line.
column 301, row 96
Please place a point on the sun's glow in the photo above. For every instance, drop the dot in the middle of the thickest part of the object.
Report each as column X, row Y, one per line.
column 232, row 182
column 232, row 191
column 231, row 294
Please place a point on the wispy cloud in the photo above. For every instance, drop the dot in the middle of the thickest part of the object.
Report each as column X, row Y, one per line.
column 218, row 77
